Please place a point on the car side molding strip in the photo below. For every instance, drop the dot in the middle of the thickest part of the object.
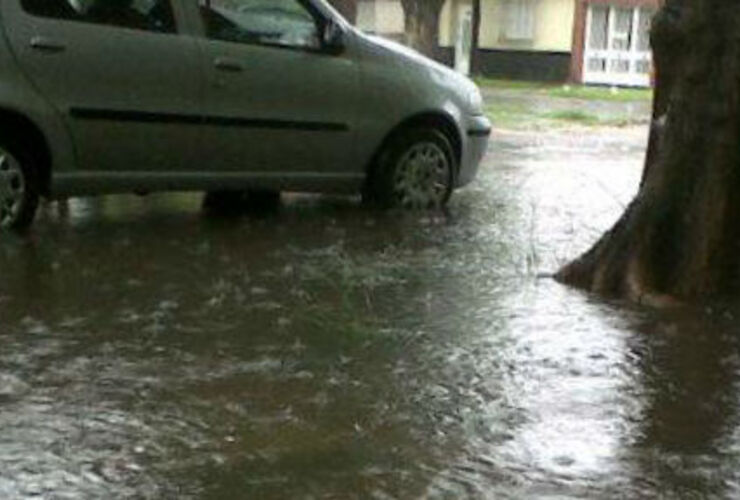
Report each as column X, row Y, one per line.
column 222, row 121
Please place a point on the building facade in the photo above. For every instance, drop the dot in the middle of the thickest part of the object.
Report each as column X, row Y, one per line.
column 611, row 42
column 381, row 17
column 521, row 39
column 590, row 41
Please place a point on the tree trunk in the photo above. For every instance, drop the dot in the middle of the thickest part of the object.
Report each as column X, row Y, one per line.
column 422, row 24
column 474, row 52
column 678, row 238
column 348, row 9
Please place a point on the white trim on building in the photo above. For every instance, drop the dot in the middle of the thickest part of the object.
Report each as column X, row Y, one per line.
column 617, row 46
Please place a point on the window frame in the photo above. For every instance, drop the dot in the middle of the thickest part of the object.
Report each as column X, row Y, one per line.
column 177, row 20
column 319, row 17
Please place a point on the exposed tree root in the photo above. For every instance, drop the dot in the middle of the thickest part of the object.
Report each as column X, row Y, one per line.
column 679, row 238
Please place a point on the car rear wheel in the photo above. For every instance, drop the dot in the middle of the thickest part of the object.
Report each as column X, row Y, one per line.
column 416, row 171
column 19, row 196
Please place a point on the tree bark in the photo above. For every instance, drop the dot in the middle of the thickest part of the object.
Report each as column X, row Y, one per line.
column 348, row 9
column 422, row 24
column 474, row 52
column 679, row 237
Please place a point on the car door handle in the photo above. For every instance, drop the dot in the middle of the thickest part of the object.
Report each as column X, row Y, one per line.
column 226, row 64
column 47, row 45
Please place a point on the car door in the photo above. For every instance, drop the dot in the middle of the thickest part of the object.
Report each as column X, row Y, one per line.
column 276, row 102
column 127, row 82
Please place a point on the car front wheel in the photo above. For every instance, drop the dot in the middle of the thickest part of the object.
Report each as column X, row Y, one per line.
column 416, row 171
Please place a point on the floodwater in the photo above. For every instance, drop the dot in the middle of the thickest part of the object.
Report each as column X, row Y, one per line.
column 330, row 351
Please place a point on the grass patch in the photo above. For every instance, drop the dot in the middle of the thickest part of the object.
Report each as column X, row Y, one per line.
column 508, row 114
column 510, row 84
column 583, row 92
column 601, row 93
column 572, row 115
column 517, row 116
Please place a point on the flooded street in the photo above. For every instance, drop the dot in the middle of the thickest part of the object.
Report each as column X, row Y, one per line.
column 330, row 351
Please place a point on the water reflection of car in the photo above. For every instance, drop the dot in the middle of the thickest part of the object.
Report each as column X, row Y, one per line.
column 237, row 98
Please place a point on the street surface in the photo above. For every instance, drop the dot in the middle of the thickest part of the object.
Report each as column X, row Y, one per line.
column 327, row 350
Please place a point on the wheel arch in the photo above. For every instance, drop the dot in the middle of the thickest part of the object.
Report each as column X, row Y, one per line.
column 433, row 120
column 438, row 120
column 21, row 128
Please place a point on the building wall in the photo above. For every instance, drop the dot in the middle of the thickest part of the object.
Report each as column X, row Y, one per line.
column 384, row 17
column 448, row 21
column 546, row 56
column 366, row 16
column 553, row 26
column 532, row 65
column 627, row 3
column 390, row 14
column 553, row 23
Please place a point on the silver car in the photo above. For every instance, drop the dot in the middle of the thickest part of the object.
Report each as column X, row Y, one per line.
column 228, row 97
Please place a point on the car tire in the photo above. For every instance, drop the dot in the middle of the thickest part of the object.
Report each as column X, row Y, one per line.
column 19, row 193
column 416, row 170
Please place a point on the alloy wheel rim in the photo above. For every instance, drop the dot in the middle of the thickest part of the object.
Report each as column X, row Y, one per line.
column 422, row 177
column 12, row 189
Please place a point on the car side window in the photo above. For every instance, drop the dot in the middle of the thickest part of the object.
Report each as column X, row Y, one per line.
column 145, row 15
column 282, row 23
